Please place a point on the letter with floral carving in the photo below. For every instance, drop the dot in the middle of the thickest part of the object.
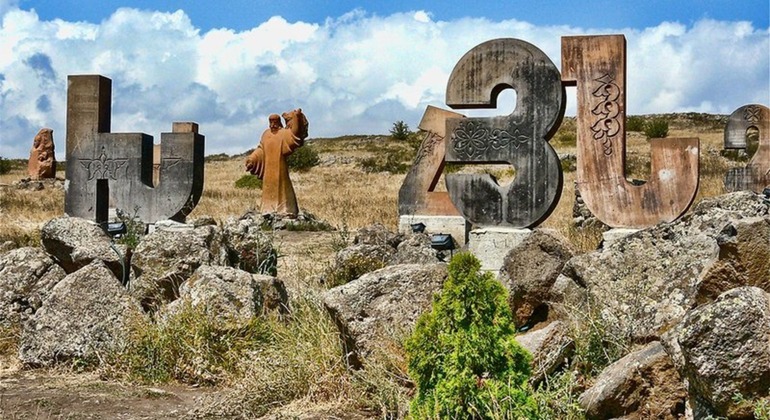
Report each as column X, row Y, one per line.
column 42, row 161
column 756, row 175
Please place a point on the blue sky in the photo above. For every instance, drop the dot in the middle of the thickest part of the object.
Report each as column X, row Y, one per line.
column 354, row 67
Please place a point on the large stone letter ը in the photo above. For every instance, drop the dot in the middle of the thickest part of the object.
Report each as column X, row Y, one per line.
column 756, row 175
column 115, row 169
column 519, row 139
column 597, row 65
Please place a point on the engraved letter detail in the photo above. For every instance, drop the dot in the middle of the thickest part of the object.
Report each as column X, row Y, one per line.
column 597, row 65
column 756, row 175
column 519, row 139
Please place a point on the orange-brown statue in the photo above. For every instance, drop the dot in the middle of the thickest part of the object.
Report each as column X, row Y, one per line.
column 268, row 162
column 42, row 162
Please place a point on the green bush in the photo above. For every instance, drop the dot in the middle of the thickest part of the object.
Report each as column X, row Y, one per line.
column 249, row 182
column 635, row 123
column 5, row 166
column 303, row 159
column 400, row 130
column 656, row 128
column 463, row 356
column 391, row 162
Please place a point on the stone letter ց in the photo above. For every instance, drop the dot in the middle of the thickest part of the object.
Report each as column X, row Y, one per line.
column 756, row 175
column 114, row 170
column 519, row 139
column 597, row 65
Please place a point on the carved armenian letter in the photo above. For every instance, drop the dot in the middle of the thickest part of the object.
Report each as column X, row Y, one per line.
column 597, row 65
column 417, row 195
column 115, row 169
column 756, row 175
column 519, row 139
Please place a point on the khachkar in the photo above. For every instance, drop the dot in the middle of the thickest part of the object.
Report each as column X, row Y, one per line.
column 597, row 65
column 519, row 139
column 756, row 175
column 114, row 170
column 42, row 161
column 268, row 162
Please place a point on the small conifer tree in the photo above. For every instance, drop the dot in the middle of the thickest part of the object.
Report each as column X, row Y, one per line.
column 463, row 356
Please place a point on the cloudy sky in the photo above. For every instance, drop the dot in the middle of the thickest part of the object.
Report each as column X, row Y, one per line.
column 353, row 67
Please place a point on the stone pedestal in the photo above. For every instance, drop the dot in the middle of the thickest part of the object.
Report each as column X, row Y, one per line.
column 169, row 225
column 456, row 226
column 491, row 245
column 614, row 234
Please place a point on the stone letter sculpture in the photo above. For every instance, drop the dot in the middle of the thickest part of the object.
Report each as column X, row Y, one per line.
column 268, row 162
column 756, row 175
column 114, row 170
column 597, row 65
column 42, row 162
column 519, row 139
column 417, row 195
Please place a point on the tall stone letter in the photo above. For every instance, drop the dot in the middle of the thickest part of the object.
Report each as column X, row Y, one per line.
column 597, row 65
column 756, row 175
column 115, row 169
column 519, row 139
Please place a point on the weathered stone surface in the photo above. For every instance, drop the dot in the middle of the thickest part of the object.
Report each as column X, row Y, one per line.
column 163, row 260
column 456, row 226
column 383, row 303
column 415, row 249
column 492, row 245
column 74, row 242
column 642, row 385
column 249, row 246
column 521, row 138
column 352, row 262
column 27, row 276
column 756, row 175
column 268, row 161
column 87, row 313
column 550, row 347
column 107, row 170
column 230, row 295
column 42, row 160
column 529, row 271
column 723, row 349
column 644, row 283
column 597, row 65
column 377, row 234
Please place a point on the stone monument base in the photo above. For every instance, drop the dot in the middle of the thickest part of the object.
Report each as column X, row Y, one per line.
column 169, row 225
column 456, row 226
column 491, row 245
column 614, row 234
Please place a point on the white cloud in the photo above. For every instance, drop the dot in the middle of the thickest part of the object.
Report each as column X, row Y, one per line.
column 354, row 74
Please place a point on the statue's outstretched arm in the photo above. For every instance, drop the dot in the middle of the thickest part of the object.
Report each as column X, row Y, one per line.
column 255, row 163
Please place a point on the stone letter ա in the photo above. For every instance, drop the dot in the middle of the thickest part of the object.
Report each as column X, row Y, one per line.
column 756, row 175
column 115, row 169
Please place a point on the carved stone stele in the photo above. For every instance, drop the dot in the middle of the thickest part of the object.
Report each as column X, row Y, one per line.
column 42, row 161
column 756, row 175
column 597, row 65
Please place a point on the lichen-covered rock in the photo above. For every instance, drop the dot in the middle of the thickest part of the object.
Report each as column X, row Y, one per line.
column 723, row 350
column 249, row 245
column 381, row 305
column 529, row 271
column 644, row 283
column 164, row 259
column 234, row 297
column 415, row 249
column 642, row 385
column 87, row 313
column 356, row 260
column 550, row 347
column 27, row 276
column 74, row 242
column 377, row 234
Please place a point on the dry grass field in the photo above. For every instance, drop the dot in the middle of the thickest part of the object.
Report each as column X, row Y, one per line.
column 301, row 370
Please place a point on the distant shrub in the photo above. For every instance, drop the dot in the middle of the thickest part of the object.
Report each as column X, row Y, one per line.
column 463, row 356
column 656, row 128
column 219, row 157
column 303, row 159
column 391, row 162
column 5, row 166
column 249, row 182
column 635, row 123
column 400, row 130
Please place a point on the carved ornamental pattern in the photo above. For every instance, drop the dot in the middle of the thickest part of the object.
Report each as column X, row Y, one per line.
column 607, row 126
column 752, row 114
column 103, row 168
column 471, row 139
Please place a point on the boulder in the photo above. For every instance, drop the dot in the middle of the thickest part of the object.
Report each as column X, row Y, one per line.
column 74, row 243
column 723, row 350
column 550, row 346
column 644, row 283
column 87, row 313
column 642, row 385
column 356, row 260
column 377, row 234
column 27, row 276
column 234, row 297
column 415, row 249
column 249, row 245
column 164, row 259
column 382, row 305
column 529, row 272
